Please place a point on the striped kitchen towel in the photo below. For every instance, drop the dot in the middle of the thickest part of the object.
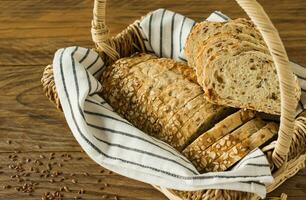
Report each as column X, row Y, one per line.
column 116, row 144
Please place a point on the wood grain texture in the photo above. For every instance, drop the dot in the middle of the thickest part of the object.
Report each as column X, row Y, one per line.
column 31, row 31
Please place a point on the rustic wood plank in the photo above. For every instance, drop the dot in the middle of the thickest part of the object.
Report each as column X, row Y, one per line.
column 31, row 31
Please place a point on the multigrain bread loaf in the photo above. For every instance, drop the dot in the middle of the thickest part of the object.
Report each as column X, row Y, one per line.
column 203, row 157
column 233, row 65
column 161, row 97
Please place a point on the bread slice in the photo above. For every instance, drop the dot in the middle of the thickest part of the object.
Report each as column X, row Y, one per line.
column 247, row 80
column 223, row 44
column 205, row 157
column 236, row 153
column 201, row 32
column 221, row 129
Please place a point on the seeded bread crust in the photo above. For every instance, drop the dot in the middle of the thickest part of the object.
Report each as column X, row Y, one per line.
column 221, row 129
column 204, row 158
column 115, row 77
column 236, row 153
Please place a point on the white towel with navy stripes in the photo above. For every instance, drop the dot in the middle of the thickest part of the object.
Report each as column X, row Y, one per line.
column 117, row 145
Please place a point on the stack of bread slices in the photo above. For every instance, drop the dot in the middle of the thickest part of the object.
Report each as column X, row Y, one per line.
column 233, row 65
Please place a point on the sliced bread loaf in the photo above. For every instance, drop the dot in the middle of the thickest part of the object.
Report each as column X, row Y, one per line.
column 152, row 91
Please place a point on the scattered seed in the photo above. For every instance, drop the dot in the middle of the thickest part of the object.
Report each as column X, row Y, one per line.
column 9, row 141
column 72, row 174
column 42, row 156
column 59, row 165
column 28, row 160
column 38, row 162
column 74, row 181
column 66, row 189
column 38, row 146
column 13, row 176
column 51, row 180
column 86, row 174
column 49, row 166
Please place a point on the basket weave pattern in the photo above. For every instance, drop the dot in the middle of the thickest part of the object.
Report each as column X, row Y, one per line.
column 286, row 154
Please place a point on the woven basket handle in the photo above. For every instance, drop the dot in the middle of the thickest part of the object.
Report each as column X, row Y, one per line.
column 255, row 11
column 285, row 76
column 99, row 30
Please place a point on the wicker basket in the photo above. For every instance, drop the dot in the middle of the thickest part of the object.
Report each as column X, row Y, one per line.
column 286, row 155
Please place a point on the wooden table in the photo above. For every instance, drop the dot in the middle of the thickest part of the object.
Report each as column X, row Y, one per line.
column 34, row 134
